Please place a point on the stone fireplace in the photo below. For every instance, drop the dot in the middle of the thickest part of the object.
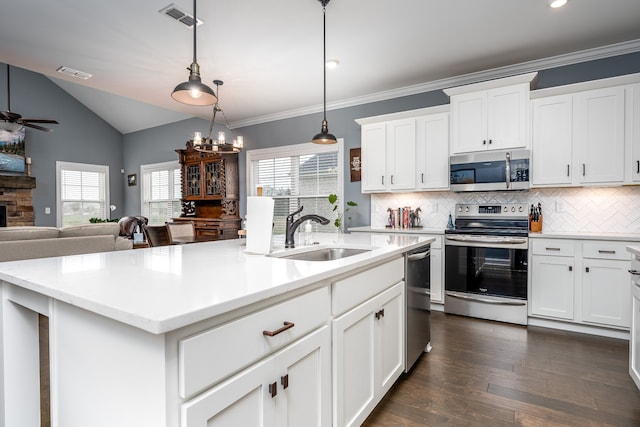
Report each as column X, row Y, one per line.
column 16, row 202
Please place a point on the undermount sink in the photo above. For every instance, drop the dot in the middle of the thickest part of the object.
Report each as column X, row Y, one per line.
column 322, row 254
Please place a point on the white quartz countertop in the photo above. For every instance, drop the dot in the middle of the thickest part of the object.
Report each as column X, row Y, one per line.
column 369, row 229
column 165, row 288
column 635, row 250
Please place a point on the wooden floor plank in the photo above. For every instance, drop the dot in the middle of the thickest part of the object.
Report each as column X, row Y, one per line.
column 489, row 373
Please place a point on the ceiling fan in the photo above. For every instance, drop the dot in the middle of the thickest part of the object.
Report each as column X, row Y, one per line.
column 13, row 121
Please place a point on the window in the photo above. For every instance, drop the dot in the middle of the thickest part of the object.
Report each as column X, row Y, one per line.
column 83, row 192
column 297, row 175
column 161, row 191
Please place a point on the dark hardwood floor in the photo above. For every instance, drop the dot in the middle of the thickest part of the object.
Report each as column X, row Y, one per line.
column 483, row 373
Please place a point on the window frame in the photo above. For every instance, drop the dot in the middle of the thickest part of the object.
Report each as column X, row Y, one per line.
column 293, row 151
column 82, row 167
column 154, row 167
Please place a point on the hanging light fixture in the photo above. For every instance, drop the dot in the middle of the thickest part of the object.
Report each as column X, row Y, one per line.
column 220, row 144
column 193, row 91
column 324, row 137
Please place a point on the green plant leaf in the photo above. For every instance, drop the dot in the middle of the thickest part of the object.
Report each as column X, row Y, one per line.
column 333, row 198
column 352, row 203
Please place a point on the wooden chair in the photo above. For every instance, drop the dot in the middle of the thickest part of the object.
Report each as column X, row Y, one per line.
column 181, row 229
column 157, row 235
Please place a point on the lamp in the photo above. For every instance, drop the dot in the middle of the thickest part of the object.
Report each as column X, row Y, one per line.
column 193, row 91
column 557, row 3
column 324, row 137
column 220, row 144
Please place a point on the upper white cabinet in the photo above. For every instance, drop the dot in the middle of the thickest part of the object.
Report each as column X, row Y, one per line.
column 633, row 118
column 432, row 152
column 579, row 139
column 490, row 115
column 406, row 151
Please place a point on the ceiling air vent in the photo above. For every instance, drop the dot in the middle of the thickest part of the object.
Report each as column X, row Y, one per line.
column 74, row 73
column 174, row 13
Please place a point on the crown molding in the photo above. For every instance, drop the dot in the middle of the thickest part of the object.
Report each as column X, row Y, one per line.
column 623, row 48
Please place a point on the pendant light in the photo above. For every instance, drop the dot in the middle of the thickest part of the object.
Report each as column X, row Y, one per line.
column 193, row 91
column 324, row 137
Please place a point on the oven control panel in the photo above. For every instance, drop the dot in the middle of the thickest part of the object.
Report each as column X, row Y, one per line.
column 492, row 210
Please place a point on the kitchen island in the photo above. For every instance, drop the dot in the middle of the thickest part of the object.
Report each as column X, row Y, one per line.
column 163, row 336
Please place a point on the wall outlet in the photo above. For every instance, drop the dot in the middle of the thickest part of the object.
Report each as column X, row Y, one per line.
column 47, row 211
column 434, row 208
column 559, row 206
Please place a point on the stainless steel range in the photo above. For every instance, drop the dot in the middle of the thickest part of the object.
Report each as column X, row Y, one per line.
column 486, row 262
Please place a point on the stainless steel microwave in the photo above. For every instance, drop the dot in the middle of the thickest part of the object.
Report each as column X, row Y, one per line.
column 490, row 171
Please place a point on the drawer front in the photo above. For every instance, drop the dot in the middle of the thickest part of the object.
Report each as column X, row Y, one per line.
column 354, row 290
column 606, row 250
column 208, row 357
column 555, row 247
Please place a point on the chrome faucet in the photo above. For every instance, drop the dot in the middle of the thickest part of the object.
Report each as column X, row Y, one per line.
column 293, row 225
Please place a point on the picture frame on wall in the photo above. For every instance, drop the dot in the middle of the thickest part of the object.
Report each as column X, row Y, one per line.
column 355, row 164
column 132, row 179
column 12, row 152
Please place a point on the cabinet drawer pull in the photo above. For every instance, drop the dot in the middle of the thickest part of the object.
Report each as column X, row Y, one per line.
column 287, row 325
column 379, row 314
column 570, row 268
column 637, row 166
column 634, row 272
column 391, row 179
column 382, row 179
column 568, row 170
column 484, row 142
column 586, row 269
column 422, row 177
column 584, row 169
column 490, row 141
column 600, row 251
column 552, row 249
column 284, row 381
column 273, row 389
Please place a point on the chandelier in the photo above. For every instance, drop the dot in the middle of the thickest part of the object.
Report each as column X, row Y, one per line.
column 216, row 145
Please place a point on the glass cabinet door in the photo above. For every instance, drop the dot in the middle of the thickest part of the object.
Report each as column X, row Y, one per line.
column 213, row 179
column 193, row 181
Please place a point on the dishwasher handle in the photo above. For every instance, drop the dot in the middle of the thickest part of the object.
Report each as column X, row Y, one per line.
column 418, row 256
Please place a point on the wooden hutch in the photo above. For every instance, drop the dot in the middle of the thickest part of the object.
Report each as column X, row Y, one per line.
column 210, row 192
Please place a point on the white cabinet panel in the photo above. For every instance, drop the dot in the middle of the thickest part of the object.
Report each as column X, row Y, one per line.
column 432, row 151
column 633, row 115
column 468, row 122
column 401, row 152
column 552, row 292
column 605, row 292
column 374, row 157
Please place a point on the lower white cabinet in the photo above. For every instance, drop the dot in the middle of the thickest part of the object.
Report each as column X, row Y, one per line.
column 289, row 388
column 581, row 281
column 368, row 355
column 553, row 289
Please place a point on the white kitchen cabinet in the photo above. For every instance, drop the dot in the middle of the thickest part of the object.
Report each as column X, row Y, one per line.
column 432, row 152
column 492, row 119
column 437, row 271
column 633, row 117
column 368, row 355
column 552, row 143
column 290, row 388
column 634, row 339
column 374, row 156
column 553, row 286
column 401, row 152
column 388, row 155
column 579, row 139
column 581, row 281
column 599, row 132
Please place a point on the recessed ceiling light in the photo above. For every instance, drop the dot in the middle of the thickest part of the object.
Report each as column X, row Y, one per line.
column 68, row 71
column 557, row 3
column 332, row 63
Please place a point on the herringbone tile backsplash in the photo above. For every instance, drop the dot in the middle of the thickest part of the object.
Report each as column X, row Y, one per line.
column 605, row 210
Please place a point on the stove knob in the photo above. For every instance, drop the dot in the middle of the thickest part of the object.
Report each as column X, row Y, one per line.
column 466, row 209
column 521, row 209
column 513, row 209
column 459, row 208
column 506, row 209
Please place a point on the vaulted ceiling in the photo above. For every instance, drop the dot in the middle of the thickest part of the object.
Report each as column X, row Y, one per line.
column 269, row 54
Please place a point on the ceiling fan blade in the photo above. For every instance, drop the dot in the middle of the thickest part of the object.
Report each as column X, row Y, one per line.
column 38, row 121
column 37, row 127
column 4, row 116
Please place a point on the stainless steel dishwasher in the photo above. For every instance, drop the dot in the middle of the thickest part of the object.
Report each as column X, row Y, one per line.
column 418, row 308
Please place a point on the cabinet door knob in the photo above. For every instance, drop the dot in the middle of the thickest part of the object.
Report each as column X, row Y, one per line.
column 570, row 268
column 490, row 141
column 484, row 142
column 586, row 269
column 287, row 325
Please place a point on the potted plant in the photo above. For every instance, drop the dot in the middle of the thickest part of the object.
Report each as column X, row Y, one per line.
column 338, row 222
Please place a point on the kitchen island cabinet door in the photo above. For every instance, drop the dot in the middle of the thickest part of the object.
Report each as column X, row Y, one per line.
column 553, row 287
column 290, row 388
column 551, row 153
column 605, row 292
column 363, row 367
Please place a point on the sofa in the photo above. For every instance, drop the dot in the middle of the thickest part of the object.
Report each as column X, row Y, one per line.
column 30, row 242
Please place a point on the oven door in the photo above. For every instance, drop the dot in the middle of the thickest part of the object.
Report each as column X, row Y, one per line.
column 486, row 277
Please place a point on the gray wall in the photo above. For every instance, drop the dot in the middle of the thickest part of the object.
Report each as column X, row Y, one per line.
column 80, row 137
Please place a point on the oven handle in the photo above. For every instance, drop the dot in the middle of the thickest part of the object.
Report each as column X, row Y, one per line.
column 488, row 242
column 508, row 170
column 483, row 300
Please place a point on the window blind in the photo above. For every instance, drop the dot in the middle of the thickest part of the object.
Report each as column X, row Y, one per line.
column 306, row 177
column 161, row 192
column 82, row 193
